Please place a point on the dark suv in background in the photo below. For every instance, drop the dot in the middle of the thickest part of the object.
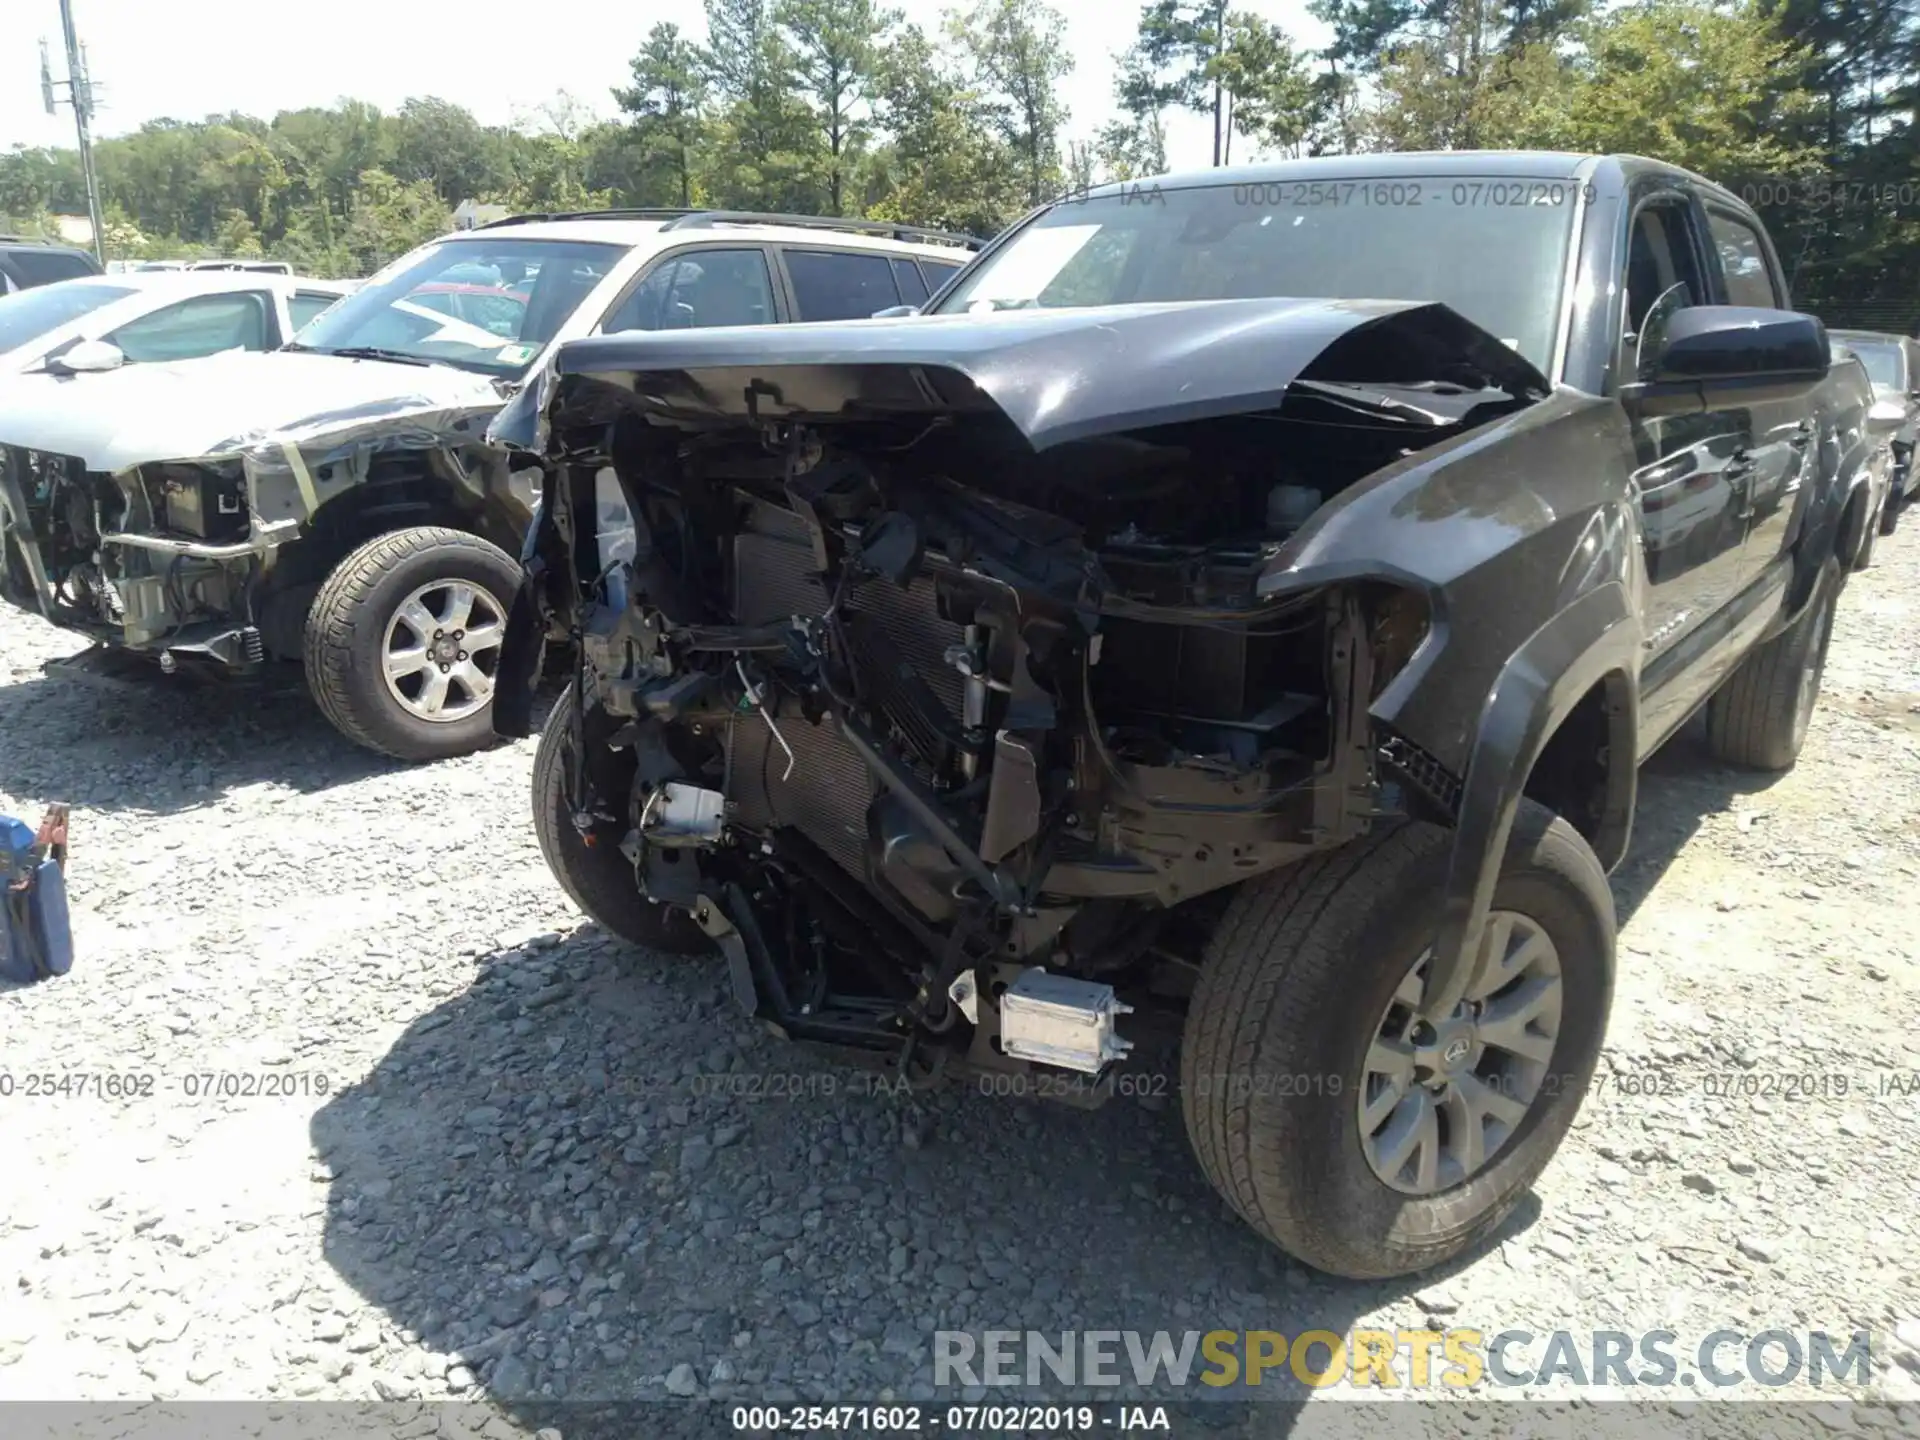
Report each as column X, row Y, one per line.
column 25, row 263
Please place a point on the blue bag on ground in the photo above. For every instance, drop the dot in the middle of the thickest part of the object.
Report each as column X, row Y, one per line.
column 36, row 937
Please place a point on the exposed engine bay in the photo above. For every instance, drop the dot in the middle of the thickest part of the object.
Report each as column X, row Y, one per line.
column 165, row 519
column 956, row 746
column 140, row 559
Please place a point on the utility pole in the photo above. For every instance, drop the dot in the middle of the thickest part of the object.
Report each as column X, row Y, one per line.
column 80, row 97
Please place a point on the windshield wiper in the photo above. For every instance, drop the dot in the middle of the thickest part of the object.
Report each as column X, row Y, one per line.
column 361, row 352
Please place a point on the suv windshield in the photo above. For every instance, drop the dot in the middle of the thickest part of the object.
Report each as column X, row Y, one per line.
column 1493, row 248
column 28, row 315
column 486, row 305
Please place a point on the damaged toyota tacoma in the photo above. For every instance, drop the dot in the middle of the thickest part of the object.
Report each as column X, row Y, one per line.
column 1237, row 611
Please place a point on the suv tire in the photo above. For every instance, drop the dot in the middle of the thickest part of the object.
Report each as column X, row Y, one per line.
column 1301, row 982
column 387, row 642
column 1759, row 716
column 598, row 878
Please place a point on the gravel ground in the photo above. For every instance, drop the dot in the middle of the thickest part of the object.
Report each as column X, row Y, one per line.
column 484, row 1150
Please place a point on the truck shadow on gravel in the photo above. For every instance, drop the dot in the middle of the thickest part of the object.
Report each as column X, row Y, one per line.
column 1681, row 784
column 588, row 1178
column 166, row 744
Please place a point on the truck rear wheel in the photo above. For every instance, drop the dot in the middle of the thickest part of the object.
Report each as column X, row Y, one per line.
column 403, row 638
column 598, row 878
column 1759, row 717
column 1876, row 526
column 1361, row 1136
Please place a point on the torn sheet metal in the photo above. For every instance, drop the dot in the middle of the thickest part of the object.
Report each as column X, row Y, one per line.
column 88, row 547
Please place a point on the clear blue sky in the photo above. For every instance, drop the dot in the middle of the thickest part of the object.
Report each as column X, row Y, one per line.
column 190, row 58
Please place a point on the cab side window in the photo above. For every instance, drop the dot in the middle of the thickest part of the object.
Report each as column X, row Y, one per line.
column 1743, row 259
column 1663, row 275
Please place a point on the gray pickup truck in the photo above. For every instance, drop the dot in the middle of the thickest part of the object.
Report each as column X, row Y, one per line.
column 1238, row 609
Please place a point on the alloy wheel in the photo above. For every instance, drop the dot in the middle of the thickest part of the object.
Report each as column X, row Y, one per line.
column 1441, row 1095
column 441, row 650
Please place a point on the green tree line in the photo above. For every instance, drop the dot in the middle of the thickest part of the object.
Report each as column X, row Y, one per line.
column 841, row 107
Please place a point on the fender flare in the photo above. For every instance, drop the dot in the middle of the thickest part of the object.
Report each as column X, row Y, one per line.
column 1595, row 637
column 1827, row 534
column 546, row 566
column 1849, row 534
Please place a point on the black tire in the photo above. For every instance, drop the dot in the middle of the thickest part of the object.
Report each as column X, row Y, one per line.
column 1875, row 527
column 1759, row 716
column 1298, row 976
column 598, row 878
column 1890, row 512
column 346, row 634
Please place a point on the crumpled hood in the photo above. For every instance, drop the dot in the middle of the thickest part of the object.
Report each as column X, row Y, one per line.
column 1057, row 375
column 221, row 404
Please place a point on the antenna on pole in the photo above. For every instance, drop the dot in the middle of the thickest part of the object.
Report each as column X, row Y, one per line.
column 80, row 97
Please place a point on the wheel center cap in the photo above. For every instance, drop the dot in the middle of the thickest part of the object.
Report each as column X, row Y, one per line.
column 446, row 651
column 1449, row 1049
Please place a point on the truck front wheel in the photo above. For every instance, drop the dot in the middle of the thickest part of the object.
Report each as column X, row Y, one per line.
column 1361, row 1135
column 598, row 878
column 403, row 640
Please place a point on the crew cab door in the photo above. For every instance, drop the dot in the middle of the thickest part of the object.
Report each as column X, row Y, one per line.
column 1782, row 453
column 1693, row 472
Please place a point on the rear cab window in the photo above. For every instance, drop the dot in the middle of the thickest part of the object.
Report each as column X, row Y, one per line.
column 1743, row 261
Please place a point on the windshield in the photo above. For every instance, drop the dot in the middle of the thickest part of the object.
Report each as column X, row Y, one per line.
column 485, row 305
column 26, row 316
column 1493, row 248
column 1882, row 362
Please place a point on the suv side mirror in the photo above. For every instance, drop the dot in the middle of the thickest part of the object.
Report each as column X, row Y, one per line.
column 87, row 357
column 1714, row 357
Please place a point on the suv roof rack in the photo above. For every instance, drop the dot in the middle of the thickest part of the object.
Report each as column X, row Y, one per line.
column 702, row 219
column 679, row 219
column 537, row 217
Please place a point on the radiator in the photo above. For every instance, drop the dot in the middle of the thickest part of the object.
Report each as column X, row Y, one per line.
column 829, row 789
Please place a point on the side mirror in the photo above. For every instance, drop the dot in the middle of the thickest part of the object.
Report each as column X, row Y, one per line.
column 86, row 357
column 895, row 312
column 1714, row 357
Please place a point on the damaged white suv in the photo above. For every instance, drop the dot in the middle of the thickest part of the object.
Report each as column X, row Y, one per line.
column 335, row 501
